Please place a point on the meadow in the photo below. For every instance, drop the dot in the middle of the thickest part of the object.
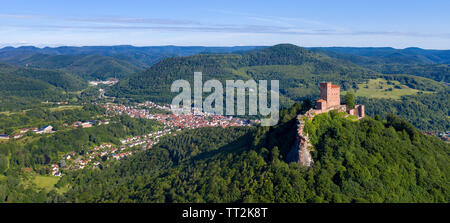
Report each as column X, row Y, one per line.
column 382, row 88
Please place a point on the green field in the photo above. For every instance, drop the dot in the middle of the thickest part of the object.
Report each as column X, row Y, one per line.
column 66, row 107
column 46, row 182
column 382, row 88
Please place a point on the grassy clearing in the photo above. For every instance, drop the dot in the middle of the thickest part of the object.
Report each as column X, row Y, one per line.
column 46, row 182
column 382, row 88
column 66, row 107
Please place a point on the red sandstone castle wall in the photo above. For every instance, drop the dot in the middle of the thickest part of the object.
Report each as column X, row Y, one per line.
column 323, row 90
column 334, row 97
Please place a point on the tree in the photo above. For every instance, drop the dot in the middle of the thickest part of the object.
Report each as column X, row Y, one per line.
column 3, row 163
column 350, row 100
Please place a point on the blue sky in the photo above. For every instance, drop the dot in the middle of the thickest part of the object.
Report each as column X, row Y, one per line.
column 398, row 24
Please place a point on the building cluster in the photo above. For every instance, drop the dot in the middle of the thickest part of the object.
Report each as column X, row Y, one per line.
column 93, row 157
column 44, row 129
column 108, row 82
column 444, row 136
column 56, row 102
column 193, row 120
column 83, row 124
column 55, row 170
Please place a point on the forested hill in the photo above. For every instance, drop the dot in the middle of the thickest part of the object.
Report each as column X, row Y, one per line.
column 139, row 56
column 411, row 55
column 88, row 67
column 433, row 64
column 299, row 71
column 56, row 78
column 355, row 161
column 13, row 85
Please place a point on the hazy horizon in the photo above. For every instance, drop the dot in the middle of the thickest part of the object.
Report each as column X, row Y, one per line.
column 398, row 24
column 230, row 46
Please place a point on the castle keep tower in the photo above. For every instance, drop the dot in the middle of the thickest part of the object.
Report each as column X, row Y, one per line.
column 330, row 96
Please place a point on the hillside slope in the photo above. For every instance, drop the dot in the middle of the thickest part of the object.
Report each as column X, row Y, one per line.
column 56, row 78
column 89, row 67
column 363, row 161
column 431, row 64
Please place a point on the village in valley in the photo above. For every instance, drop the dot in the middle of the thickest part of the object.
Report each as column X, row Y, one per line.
column 95, row 157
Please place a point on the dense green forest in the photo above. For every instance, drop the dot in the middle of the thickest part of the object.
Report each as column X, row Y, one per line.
column 88, row 67
column 371, row 160
column 24, row 88
column 431, row 64
column 425, row 111
column 437, row 72
column 56, row 78
column 386, row 55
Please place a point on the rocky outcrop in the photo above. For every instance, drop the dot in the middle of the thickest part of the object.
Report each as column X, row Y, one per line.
column 300, row 151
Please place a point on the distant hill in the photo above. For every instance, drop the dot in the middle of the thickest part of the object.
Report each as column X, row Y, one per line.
column 432, row 64
column 412, row 55
column 23, row 88
column 56, row 78
column 88, row 67
column 299, row 71
column 17, row 92
column 139, row 56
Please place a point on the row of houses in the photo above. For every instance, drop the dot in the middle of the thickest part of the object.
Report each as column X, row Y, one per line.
column 132, row 144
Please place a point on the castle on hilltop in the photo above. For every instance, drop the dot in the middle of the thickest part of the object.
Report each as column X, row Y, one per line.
column 330, row 99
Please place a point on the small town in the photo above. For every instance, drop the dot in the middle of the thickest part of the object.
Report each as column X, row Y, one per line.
column 94, row 157
column 193, row 120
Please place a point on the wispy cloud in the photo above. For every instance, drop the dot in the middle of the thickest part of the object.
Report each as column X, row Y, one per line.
column 133, row 20
column 272, row 25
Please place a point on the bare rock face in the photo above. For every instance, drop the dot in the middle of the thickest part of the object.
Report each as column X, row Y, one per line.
column 300, row 151
column 305, row 158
